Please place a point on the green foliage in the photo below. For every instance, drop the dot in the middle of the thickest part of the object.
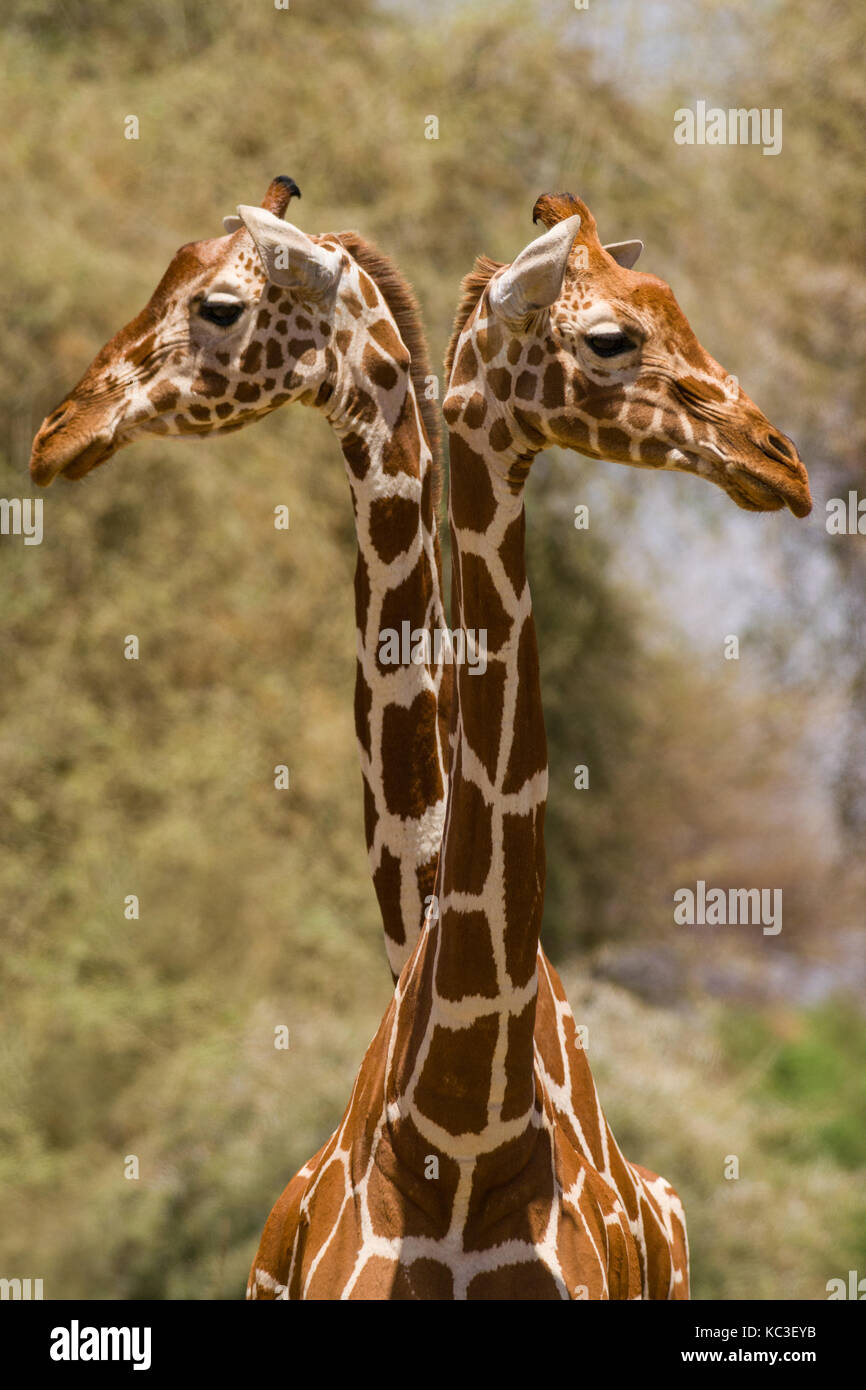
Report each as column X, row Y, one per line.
column 814, row 1064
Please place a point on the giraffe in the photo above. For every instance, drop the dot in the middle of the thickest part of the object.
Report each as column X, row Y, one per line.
column 471, row 1162
column 264, row 316
column 231, row 334
column 87, row 442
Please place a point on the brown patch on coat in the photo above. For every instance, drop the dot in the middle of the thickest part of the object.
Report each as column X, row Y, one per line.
column 489, row 339
column 482, row 608
column 371, row 815
column 482, row 700
column 274, row 353
column 399, row 454
column 455, row 1080
column 210, row 383
column 302, row 350
column 164, row 397
column 614, row 443
column 380, row 372
column 401, row 1160
column 368, row 289
column 530, row 1281
column 393, row 526
column 356, row 454
column 414, row 783
column 247, row 391
column 499, row 437
column 363, row 705
column 466, row 964
column 473, row 505
column 467, row 868
column 553, row 389
column 383, row 334
column 475, row 410
column 523, row 855
column 386, row 881
column 528, row 748
column 512, row 552
column 466, row 366
column 499, row 380
column 251, row 358
column 518, row 1063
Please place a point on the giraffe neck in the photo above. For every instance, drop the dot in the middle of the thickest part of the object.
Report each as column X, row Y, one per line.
column 475, row 974
column 390, row 468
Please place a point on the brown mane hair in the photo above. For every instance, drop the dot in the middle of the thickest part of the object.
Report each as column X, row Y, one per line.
column 472, row 286
column 399, row 297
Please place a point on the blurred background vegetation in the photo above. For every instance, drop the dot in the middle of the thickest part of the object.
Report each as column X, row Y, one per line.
column 155, row 1037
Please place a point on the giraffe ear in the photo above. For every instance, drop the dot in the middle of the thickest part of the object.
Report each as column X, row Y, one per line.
column 232, row 224
column 288, row 255
column 625, row 253
column 534, row 279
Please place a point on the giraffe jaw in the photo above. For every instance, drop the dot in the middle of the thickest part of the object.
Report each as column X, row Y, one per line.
column 751, row 493
column 760, row 494
column 743, row 485
column 97, row 453
column 43, row 470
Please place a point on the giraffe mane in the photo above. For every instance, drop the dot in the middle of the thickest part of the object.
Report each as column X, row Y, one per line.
column 472, row 287
column 399, row 297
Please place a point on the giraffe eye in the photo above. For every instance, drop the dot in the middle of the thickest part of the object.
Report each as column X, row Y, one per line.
column 221, row 311
column 609, row 344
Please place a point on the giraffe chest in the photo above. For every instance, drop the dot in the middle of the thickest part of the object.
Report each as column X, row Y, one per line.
column 374, row 1227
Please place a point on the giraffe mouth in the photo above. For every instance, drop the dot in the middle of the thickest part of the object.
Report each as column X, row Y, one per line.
column 759, row 494
column 752, row 494
column 44, row 466
column 770, row 485
column 100, row 451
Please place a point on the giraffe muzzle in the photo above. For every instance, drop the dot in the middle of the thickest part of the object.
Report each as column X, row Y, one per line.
column 759, row 469
column 769, row 489
column 64, row 447
column 784, row 472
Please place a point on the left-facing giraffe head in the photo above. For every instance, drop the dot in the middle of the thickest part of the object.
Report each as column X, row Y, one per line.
column 570, row 346
column 238, row 325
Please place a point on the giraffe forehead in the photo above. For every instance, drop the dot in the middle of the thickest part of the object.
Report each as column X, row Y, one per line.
column 589, row 311
column 628, row 294
column 654, row 301
column 227, row 264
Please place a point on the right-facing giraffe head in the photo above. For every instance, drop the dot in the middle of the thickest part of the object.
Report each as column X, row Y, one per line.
column 569, row 346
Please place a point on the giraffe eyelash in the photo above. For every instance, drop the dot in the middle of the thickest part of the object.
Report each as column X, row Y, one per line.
column 220, row 312
column 608, row 345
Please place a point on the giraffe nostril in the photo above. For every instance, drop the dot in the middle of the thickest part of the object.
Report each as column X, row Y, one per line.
column 780, row 444
column 54, row 421
column 781, row 449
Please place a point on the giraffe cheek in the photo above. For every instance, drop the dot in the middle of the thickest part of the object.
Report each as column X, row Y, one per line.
column 163, row 398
